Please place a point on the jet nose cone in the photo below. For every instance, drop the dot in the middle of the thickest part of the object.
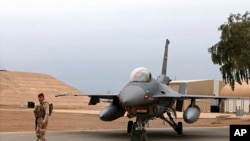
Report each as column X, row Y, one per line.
column 132, row 95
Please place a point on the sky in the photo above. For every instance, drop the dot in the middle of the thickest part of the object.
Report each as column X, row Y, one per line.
column 93, row 45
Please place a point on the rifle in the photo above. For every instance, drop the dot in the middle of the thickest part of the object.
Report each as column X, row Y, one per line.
column 35, row 113
column 35, row 123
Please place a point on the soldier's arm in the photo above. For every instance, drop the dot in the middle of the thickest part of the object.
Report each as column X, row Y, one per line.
column 46, row 107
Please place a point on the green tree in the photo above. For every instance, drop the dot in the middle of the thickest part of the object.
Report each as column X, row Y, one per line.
column 232, row 52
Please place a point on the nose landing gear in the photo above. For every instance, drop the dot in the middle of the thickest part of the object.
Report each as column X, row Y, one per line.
column 137, row 130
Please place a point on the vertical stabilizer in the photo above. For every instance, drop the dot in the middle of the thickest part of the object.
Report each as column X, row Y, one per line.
column 165, row 59
column 163, row 78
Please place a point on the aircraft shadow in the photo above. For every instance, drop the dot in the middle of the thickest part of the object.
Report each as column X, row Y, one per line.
column 190, row 134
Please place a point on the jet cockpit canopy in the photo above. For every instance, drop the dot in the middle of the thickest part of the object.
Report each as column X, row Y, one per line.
column 140, row 74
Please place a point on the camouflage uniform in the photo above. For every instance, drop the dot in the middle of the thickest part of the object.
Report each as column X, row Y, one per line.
column 41, row 113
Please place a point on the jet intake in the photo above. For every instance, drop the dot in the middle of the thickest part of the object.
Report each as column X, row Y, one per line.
column 111, row 112
column 160, row 110
column 191, row 114
column 154, row 110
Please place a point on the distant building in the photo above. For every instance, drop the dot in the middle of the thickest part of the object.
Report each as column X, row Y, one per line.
column 234, row 105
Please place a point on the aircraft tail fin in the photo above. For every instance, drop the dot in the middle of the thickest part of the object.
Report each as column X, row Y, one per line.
column 163, row 78
column 165, row 59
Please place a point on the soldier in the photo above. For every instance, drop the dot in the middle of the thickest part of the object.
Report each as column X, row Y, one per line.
column 41, row 114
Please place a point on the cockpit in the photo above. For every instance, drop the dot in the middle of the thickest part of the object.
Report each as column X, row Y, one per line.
column 140, row 74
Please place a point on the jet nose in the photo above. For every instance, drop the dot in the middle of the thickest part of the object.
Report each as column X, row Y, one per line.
column 132, row 95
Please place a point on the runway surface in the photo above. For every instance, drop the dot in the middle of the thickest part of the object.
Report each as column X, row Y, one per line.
column 190, row 134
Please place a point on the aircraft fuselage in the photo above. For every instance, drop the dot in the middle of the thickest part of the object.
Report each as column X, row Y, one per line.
column 136, row 98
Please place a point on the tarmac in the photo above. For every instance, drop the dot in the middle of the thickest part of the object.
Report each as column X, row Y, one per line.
column 190, row 134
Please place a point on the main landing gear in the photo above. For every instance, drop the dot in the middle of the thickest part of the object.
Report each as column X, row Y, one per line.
column 177, row 127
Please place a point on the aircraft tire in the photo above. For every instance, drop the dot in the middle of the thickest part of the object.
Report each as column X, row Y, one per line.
column 138, row 135
column 130, row 126
column 179, row 128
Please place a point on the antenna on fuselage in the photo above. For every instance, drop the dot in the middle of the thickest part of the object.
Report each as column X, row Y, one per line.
column 163, row 78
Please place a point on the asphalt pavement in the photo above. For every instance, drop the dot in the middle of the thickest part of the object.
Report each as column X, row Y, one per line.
column 190, row 134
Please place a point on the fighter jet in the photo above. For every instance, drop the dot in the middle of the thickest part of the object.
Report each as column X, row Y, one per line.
column 145, row 98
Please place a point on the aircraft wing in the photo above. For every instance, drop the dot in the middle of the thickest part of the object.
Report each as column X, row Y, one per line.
column 170, row 93
column 194, row 96
column 105, row 96
column 94, row 98
column 211, row 97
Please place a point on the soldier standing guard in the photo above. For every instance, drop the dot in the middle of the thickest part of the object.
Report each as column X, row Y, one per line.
column 41, row 114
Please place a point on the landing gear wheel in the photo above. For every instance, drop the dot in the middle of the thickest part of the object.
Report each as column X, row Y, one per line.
column 139, row 135
column 179, row 128
column 130, row 126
